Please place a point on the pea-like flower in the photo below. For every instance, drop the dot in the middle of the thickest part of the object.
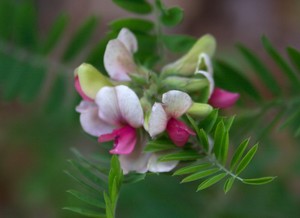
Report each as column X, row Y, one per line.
column 218, row 98
column 166, row 116
column 115, row 115
column 118, row 56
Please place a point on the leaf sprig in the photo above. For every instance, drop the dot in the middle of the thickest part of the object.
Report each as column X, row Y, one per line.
column 209, row 155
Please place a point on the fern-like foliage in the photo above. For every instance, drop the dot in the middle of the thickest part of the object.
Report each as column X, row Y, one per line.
column 100, row 183
column 209, row 155
column 281, row 98
column 28, row 70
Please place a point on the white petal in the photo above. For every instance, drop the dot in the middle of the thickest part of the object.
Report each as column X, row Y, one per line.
column 118, row 61
column 176, row 103
column 205, row 60
column 130, row 106
column 210, row 79
column 208, row 73
column 158, row 120
column 158, row 167
column 90, row 121
column 128, row 39
column 136, row 161
column 107, row 101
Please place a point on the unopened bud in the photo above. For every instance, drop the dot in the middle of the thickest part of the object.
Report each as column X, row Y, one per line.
column 90, row 80
column 199, row 110
column 187, row 64
column 185, row 84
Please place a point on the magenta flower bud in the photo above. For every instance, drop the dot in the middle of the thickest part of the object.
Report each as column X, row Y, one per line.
column 223, row 99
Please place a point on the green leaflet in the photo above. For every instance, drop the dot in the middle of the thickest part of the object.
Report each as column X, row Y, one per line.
column 171, row 16
column 200, row 175
column 209, row 122
column 258, row 181
column 178, row 43
column 134, row 24
column 260, row 69
column 33, row 83
column 294, row 56
column 219, row 138
column 84, row 184
column 96, row 180
column 55, row 34
column 230, row 78
column 282, row 64
column 191, row 169
column 115, row 179
column 25, row 25
column 136, row 6
column 211, row 181
column 80, row 39
column 228, row 184
column 134, row 178
column 239, row 153
column 97, row 202
column 14, row 81
column 102, row 170
column 85, row 212
column 159, row 145
column 181, row 155
column 204, row 140
column 7, row 13
column 57, row 95
column 246, row 159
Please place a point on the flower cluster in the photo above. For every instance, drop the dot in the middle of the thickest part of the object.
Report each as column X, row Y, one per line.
column 130, row 114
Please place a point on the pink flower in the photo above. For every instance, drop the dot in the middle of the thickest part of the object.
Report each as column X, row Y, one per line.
column 221, row 98
column 165, row 117
column 218, row 98
column 115, row 115
column 118, row 56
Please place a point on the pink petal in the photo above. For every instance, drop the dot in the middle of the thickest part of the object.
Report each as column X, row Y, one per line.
column 90, row 121
column 222, row 99
column 125, row 139
column 118, row 61
column 128, row 39
column 179, row 132
column 79, row 90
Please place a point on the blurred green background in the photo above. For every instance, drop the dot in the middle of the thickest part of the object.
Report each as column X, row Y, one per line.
column 41, row 42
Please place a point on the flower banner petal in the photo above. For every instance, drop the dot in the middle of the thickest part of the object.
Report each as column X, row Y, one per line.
column 118, row 61
column 176, row 103
column 128, row 39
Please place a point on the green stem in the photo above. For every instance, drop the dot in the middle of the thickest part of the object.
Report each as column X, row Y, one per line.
column 158, row 29
column 213, row 160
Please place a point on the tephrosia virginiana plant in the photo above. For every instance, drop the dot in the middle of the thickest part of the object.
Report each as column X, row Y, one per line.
column 158, row 118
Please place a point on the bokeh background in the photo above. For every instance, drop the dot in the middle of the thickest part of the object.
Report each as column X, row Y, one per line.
column 36, row 136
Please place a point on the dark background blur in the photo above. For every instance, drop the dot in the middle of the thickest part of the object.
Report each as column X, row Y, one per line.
column 34, row 146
